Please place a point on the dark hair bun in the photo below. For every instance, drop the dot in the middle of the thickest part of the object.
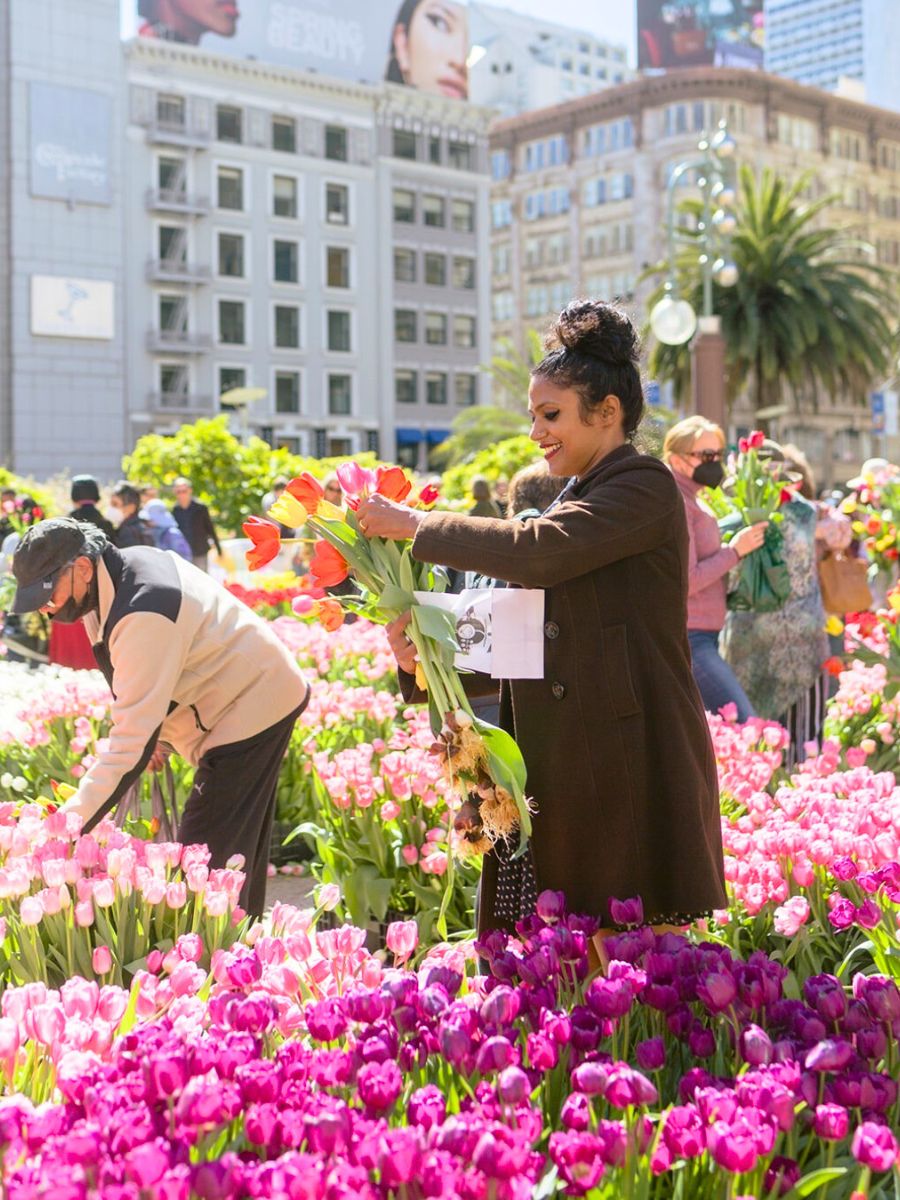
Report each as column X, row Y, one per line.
column 597, row 329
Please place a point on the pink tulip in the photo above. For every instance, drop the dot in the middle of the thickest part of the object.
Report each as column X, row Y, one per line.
column 31, row 910
column 102, row 960
column 176, row 895
column 402, row 938
column 410, row 855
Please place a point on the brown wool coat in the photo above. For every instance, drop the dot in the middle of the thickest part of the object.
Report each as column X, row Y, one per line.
column 619, row 757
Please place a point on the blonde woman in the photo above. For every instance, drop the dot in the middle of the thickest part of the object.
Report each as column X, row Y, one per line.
column 693, row 450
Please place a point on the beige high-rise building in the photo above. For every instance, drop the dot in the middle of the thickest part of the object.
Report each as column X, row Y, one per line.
column 578, row 204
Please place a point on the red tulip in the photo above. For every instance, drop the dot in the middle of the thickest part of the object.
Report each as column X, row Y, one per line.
column 392, row 483
column 307, row 491
column 428, row 495
column 266, row 539
column 330, row 615
column 756, row 439
column 327, row 566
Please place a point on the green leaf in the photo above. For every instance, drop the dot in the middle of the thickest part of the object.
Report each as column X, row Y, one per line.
column 817, row 1179
column 435, row 623
column 395, row 598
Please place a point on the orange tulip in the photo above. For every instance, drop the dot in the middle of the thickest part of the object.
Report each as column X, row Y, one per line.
column 330, row 615
column 327, row 567
column 307, row 490
column 266, row 539
column 392, row 483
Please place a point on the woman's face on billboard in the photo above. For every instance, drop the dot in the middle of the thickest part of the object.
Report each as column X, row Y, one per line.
column 431, row 51
column 206, row 16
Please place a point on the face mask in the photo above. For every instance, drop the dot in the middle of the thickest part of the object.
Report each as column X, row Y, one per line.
column 73, row 610
column 115, row 516
column 708, row 474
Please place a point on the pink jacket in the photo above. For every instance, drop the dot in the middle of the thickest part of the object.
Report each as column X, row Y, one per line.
column 708, row 561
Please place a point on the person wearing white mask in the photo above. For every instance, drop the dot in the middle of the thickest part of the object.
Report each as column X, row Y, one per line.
column 130, row 528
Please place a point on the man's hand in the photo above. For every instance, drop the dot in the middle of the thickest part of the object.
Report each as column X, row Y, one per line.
column 402, row 646
column 158, row 758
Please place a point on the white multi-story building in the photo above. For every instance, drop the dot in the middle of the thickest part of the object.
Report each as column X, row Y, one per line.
column 175, row 224
column 517, row 62
column 837, row 45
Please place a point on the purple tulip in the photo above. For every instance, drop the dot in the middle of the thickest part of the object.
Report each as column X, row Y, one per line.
column 218, row 1180
column 684, row 1132
column 781, row 1176
column 868, row 915
column 586, row 1031
column 627, row 1088
column 379, row 1085
column 242, row 967
column 164, row 1075
column 829, row 1055
column 543, row 1054
column 716, row 991
column 626, row 912
column 843, row 914
column 260, row 1082
column 702, row 1041
column 844, row 868
column 401, row 1157
column 609, row 999
column 756, row 1046
column 427, row 1107
column 513, row 1085
column 826, row 995
column 880, row 995
column 501, row 1006
column 326, row 1020
column 831, row 1123
column 260, row 1124
column 590, row 1078
column 651, row 1054
column 578, row 1158
column 731, row 1148
column 551, row 906
column 576, row 1112
column 147, row 1164
column 661, row 996
column 495, row 1054
column 456, row 1044
column 875, row 1147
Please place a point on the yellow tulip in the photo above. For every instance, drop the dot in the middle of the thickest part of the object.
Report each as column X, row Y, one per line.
column 849, row 505
column 64, row 791
column 884, row 543
column 858, row 527
column 834, row 626
column 330, row 511
column 894, row 600
column 421, row 682
column 288, row 511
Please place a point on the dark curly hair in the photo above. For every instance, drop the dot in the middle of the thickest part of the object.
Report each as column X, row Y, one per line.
column 594, row 349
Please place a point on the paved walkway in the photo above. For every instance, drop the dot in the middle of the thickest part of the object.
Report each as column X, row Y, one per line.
column 290, row 889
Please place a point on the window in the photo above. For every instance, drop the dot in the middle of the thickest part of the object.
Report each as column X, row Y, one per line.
column 340, row 395
column 501, row 165
column 337, row 266
column 230, row 378
column 436, row 387
column 337, row 204
column 170, row 110
column 336, row 143
column 463, row 272
column 436, row 329
column 287, row 326
column 405, row 325
column 173, row 244
column 291, row 444
column 404, row 143
column 463, row 332
column 464, row 386
column 404, row 205
column 285, row 262
column 170, row 176
column 501, row 214
column 503, row 306
column 287, row 391
column 434, row 150
column 436, row 269
column 173, row 380
column 338, row 331
column 232, row 326
column 229, row 123
column 434, row 211
column 339, row 447
column 501, row 258
column 404, row 265
column 284, row 196
column 231, row 255
column 284, row 134
column 230, row 188
column 459, row 155
column 463, row 216
column 406, row 387
column 172, row 313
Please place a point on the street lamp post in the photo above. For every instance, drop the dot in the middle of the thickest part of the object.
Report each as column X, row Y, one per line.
column 673, row 319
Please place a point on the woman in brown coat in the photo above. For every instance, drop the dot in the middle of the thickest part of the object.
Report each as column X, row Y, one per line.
column 614, row 737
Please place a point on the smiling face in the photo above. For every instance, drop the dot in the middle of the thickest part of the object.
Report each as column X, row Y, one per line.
column 431, row 51
column 571, row 445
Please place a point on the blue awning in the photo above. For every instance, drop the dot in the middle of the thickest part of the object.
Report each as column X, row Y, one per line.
column 408, row 437
column 434, row 436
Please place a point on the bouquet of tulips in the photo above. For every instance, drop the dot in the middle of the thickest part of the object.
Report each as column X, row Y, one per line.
column 749, row 494
column 485, row 760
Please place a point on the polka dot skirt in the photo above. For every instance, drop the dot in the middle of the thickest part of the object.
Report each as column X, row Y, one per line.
column 516, row 884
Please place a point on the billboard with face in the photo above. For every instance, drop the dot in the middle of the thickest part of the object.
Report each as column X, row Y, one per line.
column 421, row 43
column 721, row 33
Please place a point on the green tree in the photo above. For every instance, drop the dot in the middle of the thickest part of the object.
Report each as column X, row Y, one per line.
column 229, row 476
column 501, row 460
column 810, row 312
column 476, row 429
column 511, row 370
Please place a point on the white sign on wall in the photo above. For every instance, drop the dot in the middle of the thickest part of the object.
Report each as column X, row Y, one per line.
column 73, row 308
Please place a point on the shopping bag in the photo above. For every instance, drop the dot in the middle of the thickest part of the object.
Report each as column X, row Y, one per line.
column 763, row 581
column 844, row 583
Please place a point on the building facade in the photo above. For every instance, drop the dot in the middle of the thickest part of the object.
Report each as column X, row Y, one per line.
column 231, row 225
column 838, row 45
column 579, row 198
column 518, row 63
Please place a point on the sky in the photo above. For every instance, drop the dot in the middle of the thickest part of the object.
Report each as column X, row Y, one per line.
column 612, row 20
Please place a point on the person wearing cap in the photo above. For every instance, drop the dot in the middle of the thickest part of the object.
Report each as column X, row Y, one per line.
column 191, row 669
column 85, row 496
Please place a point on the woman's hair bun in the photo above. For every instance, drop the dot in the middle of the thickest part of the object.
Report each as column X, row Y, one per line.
column 596, row 329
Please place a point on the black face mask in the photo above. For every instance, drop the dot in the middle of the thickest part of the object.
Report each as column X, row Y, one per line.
column 73, row 610
column 708, row 474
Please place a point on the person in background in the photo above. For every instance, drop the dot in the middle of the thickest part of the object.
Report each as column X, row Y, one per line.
column 123, row 512
column 778, row 656
column 279, row 483
column 85, row 496
column 693, row 449
column 501, row 495
column 191, row 669
column 194, row 521
column 484, row 506
column 532, row 490
column 148, row 492
column 163, row 529
column 332, row 489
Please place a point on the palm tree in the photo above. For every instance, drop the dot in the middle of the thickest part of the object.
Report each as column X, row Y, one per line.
column 511, row 370
column 809, row 313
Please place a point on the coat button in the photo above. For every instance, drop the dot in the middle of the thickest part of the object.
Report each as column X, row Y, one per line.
column 559, row 690
column 551, row 630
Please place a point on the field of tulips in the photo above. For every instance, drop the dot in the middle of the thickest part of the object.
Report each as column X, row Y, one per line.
column 153, row 1043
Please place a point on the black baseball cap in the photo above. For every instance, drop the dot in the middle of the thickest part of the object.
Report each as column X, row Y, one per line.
column 44, row 551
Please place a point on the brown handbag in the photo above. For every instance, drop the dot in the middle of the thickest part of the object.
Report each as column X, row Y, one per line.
column 844, row 585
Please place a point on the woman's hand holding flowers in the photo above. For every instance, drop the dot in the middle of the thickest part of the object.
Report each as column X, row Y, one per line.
column 403, row 649
column 380, row 517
